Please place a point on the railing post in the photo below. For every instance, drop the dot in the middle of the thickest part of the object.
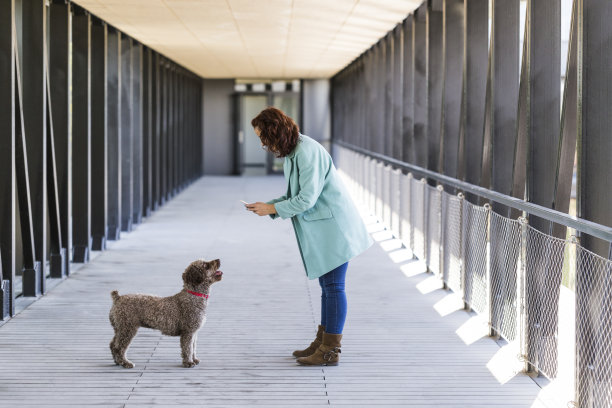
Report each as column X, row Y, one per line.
column 440, row 191
column 521, row 305
column 461, row 198
column 489, row 296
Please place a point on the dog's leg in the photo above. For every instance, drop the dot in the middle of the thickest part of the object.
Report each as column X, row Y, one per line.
column 195, row 342
column 124, row 338
column 114, row 350
column 187, row 350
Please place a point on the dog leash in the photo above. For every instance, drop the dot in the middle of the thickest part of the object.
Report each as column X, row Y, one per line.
column 204, row 295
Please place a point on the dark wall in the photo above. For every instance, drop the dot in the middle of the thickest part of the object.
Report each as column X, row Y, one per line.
column 218, row 126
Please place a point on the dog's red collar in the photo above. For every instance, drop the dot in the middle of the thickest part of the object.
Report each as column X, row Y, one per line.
column 204, row 295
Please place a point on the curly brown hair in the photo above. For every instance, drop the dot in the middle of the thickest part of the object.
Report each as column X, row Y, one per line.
column 278, row 132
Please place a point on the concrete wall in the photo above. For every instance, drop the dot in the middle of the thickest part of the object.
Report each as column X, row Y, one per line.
column 316, row 110
column 218, row 126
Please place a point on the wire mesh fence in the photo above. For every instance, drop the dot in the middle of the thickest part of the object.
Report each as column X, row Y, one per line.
column 417, row 217
column 474, row 255
column 434, row 229
column 594, row 329
column 509, row 271
column 451, row 241
column 386, row 196
column 505, row 249
column 406, row 198
column 544, row 267
column 395, row 191
column 379, row 183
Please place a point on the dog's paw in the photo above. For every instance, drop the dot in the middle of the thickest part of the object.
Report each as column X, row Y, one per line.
column 189, row 364
column 196, row 360
column 127, row 364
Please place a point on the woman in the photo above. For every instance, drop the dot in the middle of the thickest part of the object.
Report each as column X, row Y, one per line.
column 327, row 226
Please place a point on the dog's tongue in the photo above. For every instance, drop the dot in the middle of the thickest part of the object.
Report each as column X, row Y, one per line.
column 218, row 273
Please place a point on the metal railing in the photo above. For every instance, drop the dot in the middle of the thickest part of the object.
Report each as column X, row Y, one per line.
column 521, row 279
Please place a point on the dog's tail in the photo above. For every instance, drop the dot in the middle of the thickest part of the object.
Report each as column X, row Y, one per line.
column 115, row 295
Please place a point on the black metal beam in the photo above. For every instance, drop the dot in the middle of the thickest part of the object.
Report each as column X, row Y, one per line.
column 388, row 44
column 137, row 132
column 33, row 29
column 397, row 87
column 452, row 46
column 504, row 90
column 475, row 60
column 147, row 132
column 59, row 89
column 99, row 135
column 113, row 133
column 26, row 265
column 157, row 137
column 408, row 154
column 81, row 134
column 420, row 145
column 435, row 78
column 8, row 198
column 593, row 291
column 125, row 122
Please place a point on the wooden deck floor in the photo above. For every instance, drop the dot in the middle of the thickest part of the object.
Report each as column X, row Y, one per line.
column 398, row 350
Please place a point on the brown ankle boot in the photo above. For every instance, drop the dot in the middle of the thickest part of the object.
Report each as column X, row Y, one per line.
column 313, row 346
column 328, row 352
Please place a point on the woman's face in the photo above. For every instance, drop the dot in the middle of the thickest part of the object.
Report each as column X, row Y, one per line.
column 258, row 133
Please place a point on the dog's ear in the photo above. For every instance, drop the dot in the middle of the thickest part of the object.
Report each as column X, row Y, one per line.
column 193, row 275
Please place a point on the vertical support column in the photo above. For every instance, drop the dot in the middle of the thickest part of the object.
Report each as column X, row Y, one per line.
column 504, row 88
column 420, row 86
column 60, row 78
column 370, row 85
column 137, row 132
column 171, row 131
column 475, row 60
column 408, row 154
column 8, row 199
column 542, row 106
column 452, row 47
column 435, row 76
column 113, row 133
column 388, row 42
column 544, row 71
column 594, row 186
column 163, row 146
column 125, row 122
column 34, row 24
column 157, row 109
column 397, row 88
column 81, row 133
column 99, row 135
column 147, row 114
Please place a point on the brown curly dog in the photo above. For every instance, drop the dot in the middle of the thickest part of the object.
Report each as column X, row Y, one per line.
column 182, row 314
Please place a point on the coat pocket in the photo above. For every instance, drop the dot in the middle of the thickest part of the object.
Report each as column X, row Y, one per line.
column 318, row 212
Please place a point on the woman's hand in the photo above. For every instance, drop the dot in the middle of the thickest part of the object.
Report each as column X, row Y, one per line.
column 261, row 209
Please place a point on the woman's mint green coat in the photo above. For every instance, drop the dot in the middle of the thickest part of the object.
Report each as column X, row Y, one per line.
column 328, row 227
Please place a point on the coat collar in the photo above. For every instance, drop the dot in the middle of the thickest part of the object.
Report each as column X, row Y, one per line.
column 291, row 155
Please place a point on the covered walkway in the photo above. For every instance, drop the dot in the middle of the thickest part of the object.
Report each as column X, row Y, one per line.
column 406, row 344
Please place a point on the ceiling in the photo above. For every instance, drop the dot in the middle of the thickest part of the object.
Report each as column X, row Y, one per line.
column 253, row 39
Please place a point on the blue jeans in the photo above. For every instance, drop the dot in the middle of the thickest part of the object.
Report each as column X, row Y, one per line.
column 333, row 300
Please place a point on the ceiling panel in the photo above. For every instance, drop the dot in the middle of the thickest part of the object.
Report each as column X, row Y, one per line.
column 256, row 38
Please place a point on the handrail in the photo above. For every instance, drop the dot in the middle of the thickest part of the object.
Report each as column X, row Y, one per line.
column 579, row 224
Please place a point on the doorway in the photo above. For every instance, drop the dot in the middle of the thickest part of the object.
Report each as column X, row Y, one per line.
column 252, row 159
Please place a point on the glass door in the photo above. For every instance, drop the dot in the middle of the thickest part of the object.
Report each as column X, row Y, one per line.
column 252, row 159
